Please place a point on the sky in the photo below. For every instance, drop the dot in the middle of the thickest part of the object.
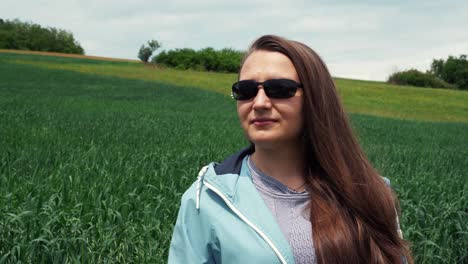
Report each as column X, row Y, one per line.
column 359, row 39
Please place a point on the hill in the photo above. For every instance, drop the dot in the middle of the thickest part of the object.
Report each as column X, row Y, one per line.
column 363, row 97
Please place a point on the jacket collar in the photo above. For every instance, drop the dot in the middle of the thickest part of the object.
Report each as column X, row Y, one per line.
column 233, row 164
column 225, row 175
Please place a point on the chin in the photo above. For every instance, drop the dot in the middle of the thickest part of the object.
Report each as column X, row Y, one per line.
column 270, row 140
column 264, row 140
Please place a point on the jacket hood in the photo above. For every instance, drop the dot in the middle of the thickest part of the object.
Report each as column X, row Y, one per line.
column 233, row 163
column 230, row 168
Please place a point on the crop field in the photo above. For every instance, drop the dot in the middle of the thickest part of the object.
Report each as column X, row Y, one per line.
column 95, row 155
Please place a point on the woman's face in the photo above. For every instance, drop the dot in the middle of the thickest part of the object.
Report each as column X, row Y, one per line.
column 270, row 122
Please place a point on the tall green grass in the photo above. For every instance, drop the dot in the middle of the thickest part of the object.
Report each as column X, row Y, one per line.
column 92, row 167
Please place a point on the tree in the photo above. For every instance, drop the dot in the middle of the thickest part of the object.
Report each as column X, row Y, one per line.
column 437, row 67
column 154, row 45
column 145, row 52
column 453, row 70
column 416, row 78
column 15, row 34
column 207, row 59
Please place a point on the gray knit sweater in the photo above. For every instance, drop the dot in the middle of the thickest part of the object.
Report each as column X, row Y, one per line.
column 290, row 210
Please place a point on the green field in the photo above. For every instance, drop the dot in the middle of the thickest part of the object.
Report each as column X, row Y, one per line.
column 95, row 156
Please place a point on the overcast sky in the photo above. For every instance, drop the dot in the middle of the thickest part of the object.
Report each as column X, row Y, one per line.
column 357, row 39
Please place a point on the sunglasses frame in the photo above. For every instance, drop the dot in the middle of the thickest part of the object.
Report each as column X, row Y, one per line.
column 289, row 91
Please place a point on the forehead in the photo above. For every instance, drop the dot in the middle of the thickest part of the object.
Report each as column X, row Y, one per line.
column 263, row 65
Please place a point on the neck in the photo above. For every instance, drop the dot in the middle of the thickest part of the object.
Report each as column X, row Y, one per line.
column 284, row 163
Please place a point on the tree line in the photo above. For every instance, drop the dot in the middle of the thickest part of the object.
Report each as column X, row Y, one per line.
column 451, row 73
column 15, row 34
column 207, row 59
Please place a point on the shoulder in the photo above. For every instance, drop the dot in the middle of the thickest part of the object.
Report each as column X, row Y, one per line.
column 192, row 232
column 190, row 202
column 190, row 195
column 386, row 180
column 400, row 233
column 198, row 192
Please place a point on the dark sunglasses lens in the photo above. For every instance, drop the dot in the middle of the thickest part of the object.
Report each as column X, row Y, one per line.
column 280, row 88
column 244, row 90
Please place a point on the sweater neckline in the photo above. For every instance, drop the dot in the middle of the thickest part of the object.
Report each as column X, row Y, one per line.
column 270, row 184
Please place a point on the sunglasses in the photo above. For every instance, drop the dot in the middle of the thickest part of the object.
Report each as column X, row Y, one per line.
column 274, row 88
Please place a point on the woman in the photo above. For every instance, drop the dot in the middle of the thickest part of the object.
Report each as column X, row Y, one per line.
column 304, row 191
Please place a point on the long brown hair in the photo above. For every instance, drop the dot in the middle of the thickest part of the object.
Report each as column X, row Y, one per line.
column 352, row 211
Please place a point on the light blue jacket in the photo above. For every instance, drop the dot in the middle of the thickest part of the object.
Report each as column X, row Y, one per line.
column 223, row 219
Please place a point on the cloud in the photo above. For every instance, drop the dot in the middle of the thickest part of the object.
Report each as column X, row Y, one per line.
column 365, row 39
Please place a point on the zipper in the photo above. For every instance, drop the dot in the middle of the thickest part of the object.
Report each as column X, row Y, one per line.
column 247, row 221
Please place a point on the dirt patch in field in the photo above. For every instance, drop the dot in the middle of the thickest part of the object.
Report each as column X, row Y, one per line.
column 56, row 54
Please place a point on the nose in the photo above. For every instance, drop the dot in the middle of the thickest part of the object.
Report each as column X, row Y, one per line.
column 261, row 100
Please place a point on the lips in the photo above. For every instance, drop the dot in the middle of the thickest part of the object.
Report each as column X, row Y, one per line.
column 262, row 121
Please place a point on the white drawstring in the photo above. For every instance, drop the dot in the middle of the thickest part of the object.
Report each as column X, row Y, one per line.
column 201, row 174
column 400, row 233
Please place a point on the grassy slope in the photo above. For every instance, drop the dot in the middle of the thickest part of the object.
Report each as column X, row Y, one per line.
column 64, row 55
column 91, row 166
column 365, row 97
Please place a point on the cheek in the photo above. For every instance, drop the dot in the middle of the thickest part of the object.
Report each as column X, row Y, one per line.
column 242, row 111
